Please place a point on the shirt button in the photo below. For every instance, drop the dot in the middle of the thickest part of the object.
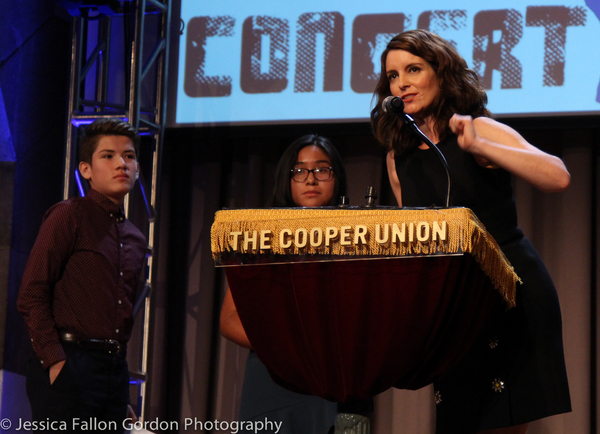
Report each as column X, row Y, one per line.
column 117, row 331
column 119, row 301
column 120, row 273
column 121, row 244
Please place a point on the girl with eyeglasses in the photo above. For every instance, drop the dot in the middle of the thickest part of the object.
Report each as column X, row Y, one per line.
column 310, row 173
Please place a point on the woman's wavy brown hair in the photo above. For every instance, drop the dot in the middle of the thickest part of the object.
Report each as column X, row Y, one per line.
column 460, row 90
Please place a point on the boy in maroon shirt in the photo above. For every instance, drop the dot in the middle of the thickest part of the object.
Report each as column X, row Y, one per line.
column 78, row 291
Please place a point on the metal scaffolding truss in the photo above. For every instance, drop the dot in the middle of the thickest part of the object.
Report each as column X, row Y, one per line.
column 119, row 69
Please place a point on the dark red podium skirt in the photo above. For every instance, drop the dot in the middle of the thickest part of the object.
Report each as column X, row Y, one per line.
column 353, row 329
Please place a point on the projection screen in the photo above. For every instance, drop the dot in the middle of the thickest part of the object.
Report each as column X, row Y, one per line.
column 267, row 62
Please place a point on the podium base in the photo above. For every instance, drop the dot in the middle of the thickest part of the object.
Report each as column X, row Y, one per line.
column 350, row 423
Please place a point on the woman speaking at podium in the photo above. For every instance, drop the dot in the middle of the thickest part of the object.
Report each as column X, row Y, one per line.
column 310, row 173
column 517, row 374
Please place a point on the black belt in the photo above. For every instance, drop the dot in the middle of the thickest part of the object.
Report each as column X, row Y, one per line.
column 107, row 345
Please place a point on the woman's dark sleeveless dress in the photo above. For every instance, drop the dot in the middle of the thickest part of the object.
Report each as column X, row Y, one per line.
column 516, row 374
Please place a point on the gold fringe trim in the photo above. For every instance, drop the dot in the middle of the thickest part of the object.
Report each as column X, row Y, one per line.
column 465, row 234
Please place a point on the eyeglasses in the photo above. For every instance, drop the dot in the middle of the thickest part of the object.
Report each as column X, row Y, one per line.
column 320, row 173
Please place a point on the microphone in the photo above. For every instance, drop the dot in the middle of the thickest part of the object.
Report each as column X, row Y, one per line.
column 393, row 104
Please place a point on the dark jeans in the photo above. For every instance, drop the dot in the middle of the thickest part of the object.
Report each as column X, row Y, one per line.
column 89, row 395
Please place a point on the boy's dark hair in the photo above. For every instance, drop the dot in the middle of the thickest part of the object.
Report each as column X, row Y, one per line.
column 282, row 191
column 92, row 134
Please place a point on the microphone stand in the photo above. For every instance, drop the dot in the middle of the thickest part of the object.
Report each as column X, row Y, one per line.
column 408, row 120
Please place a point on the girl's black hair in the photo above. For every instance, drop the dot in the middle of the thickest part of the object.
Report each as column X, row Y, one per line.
column 282, row 191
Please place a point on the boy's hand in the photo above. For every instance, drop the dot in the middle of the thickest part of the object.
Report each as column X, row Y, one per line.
column 55, row 370
column 131, row 414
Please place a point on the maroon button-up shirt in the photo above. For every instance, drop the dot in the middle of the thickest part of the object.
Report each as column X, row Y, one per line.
column 82, row 275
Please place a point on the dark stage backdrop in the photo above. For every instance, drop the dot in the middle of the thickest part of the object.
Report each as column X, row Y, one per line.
column 34, row 78
column 197, row 374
